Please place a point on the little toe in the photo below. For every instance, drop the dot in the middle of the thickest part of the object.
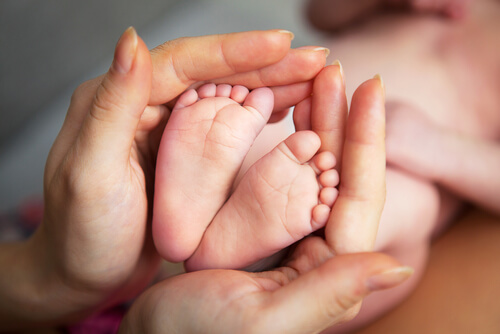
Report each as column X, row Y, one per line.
column 329, row 178
column 239, row 93
column 328, row 196
column 223, row 90
column 207, row 90
column 320, row 215
column 262, row 100
column 188, row 98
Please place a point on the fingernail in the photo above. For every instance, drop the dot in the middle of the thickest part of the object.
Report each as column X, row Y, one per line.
column 336, row 62
column 389, row 278
column 292, row 36
column 315, row 49
column 379, row 78
column 325, row 50
column 126, row 49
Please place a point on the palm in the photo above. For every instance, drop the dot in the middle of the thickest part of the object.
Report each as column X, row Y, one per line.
column 307, row 294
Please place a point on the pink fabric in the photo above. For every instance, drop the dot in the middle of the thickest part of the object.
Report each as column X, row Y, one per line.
column 106, row 322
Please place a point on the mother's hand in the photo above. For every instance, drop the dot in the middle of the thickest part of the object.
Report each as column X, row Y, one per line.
column 320, row 284
column 94, row 246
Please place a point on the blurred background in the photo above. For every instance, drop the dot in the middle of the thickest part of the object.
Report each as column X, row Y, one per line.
column 47, row 48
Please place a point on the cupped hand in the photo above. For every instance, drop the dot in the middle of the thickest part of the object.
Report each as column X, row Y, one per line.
column 94, row 246
column 296, row 298
column 322, row 282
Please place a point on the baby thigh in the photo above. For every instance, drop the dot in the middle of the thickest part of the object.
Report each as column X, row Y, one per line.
column 409, row 218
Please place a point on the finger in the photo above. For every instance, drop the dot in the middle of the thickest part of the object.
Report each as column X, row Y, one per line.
column 297, row 66
column 180, row 63
column 290, row 95
column 277, row 116
column 330, row 293
column 302, row 115
column 109, row 129
column 353, row 223
column 329, row 109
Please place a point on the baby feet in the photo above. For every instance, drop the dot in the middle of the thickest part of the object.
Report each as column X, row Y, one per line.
column 285, row 196
column 207, row 136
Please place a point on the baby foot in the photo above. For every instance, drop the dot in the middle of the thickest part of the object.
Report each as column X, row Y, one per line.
column 283, row 197
column 205, row 141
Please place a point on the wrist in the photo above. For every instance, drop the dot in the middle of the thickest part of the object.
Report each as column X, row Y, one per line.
column 32, row 294
column 22, row 288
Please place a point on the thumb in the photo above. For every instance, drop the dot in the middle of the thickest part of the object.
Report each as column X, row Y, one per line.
column 332, row 292
column 109, row 129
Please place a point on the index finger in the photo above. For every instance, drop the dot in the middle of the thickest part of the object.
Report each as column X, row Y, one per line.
column 245, row 58
column 353, row 223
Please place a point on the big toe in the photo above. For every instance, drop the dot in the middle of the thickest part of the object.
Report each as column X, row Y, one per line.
column 262, row 100
column 300, row 146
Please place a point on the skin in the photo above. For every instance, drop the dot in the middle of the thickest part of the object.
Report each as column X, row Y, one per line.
column 311, row 287
column 433, row 126
column 94, row 247
column 436, row 151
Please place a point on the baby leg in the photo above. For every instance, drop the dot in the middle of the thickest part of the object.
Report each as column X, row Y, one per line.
column 283, row 197
column 203, row 146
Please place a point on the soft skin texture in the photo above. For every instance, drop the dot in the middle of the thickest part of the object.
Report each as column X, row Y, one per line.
column 94, row 246
column 316, row 288
column 443, row 126
column 305, row 296
column 436, row 153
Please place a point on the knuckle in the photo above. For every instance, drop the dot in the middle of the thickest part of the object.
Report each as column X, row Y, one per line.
column 85, row 90
column 176, row 55
column 106, row 99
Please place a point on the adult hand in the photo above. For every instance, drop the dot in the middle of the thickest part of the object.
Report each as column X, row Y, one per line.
column 320, row 284
column 286, row 300
column 94, row 246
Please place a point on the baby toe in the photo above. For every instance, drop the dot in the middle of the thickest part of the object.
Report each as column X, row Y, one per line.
column 328, row 196
column 187, row 98
column 239, row 93
column 324, row 161
column 329, row 178
column 207, row 90
column 223, row 90
column 320, row 216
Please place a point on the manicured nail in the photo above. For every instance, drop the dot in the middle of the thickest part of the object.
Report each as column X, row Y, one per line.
column 292, row 36
column 379, row 78
column 126, row 48
column 336, row 62
column 389, row 278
